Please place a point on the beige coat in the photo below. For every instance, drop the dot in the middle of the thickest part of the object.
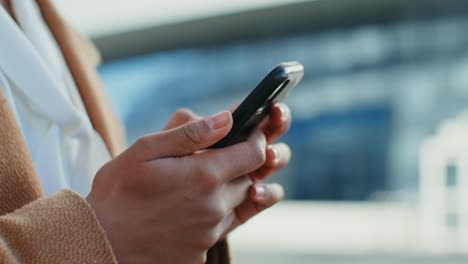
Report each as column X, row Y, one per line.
column 61, row 228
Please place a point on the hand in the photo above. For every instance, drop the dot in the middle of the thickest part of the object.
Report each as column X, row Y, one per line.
column 261, row 196
column 167, row 200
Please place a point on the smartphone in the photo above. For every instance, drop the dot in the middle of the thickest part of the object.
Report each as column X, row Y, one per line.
column 275, row 87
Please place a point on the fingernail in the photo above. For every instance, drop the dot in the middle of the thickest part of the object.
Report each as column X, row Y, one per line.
column 218, row 121
column 276, row 154
column 260, row 192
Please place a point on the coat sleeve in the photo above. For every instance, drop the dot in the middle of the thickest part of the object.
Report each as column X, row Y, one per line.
column 57, row 229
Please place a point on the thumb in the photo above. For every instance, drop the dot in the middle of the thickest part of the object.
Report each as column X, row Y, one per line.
column 185, row 139
column 180, row 117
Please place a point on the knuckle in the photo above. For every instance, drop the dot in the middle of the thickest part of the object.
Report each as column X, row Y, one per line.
column 216, row 214
column 192, row 134
column 183, row 114
column 105, row 169
column 258, row 155
column 208, row 180
column 208, row 239
column 144, row 143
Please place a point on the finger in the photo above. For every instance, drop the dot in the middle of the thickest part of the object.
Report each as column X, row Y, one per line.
column 261, row 197
column 231, row 162
column 236, row 191
column 209, row 169
column 277, row 122
column 181, row 117
column 185, row 139
column 277, row 156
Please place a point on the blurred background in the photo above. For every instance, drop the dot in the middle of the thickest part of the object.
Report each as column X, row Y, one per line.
column 376, row 175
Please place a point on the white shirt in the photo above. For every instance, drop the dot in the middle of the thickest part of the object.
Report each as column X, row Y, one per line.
column 66, row 150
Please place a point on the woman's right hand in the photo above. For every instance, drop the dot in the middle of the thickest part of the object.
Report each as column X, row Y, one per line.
column 167, row 199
